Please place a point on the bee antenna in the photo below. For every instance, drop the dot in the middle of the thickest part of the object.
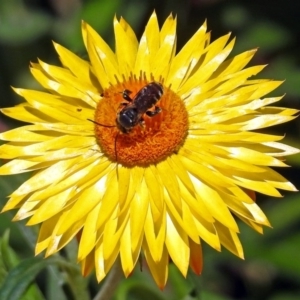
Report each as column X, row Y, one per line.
column 101, row 124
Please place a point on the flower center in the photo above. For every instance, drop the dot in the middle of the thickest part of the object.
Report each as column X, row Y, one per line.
column 154, row 130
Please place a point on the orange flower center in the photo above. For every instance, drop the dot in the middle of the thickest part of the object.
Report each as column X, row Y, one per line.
column 149, row 139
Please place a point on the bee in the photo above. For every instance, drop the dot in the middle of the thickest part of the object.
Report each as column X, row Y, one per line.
column 132, row 112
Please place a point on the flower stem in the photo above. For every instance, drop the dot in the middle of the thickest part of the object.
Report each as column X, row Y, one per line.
column 109, row 287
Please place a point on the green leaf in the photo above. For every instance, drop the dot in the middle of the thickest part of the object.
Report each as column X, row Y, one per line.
column 3, row 270
column 21, row 276
column 8, row 260
column 9, row 257
column 54, row 290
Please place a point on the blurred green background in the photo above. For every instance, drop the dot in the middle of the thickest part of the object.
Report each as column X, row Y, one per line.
column 272, row 267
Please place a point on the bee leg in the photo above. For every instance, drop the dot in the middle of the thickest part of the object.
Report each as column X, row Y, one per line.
column 126, row 94
column 142, row 123
column 152, row 113
column 123, row 104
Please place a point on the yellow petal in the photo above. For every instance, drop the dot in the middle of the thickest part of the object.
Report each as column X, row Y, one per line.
column 98, row 68
column 89, row 234
column 229, row 240
column 158, row 269
column 138, row 210
column 148, row 47
column 104, row 55
column 79, row 67
column 187, row 58
column 167, row 48
column 177, row 245
column 155, row 237
column 126, row 46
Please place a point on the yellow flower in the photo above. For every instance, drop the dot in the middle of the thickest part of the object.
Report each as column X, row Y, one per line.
column 172, row 178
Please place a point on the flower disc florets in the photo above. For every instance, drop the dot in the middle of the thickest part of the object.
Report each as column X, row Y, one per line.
column 160, row 136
